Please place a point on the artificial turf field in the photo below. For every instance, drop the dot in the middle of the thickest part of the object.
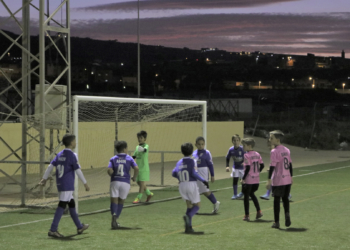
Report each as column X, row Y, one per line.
column 319, row 212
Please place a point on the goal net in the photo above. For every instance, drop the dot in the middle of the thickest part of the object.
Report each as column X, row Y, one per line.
column 98, row 122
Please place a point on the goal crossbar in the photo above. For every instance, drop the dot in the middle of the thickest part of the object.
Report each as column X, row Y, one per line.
column 77, row 99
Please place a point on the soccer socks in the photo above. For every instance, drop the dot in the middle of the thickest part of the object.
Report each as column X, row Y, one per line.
column 268, row 192
column 191, row 212
column 114, row 208
column 285, row 201
column 276, row 208
column 235, row 185
column 212, row 198
column 119, row 209
column 235, row 189
column 74, row 215
column 256, row 202
column 246, row 204
column 56, row 219
column 139, row 196
column 148, row 192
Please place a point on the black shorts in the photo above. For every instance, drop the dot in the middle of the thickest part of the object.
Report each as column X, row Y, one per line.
column 249, row 188
column 281, row 190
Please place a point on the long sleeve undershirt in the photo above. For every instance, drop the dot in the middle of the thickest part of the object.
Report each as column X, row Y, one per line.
column 261, row 167
column 48, row 171
column 80, row 175
column 246, row 171
column 291, row 169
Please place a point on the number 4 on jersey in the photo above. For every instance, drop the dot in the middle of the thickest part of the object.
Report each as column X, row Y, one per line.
column 120, row 171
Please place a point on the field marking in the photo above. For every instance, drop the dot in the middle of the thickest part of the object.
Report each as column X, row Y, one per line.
column 29, row 222
column 157, row 201
column 241, row 216
column 317, row 172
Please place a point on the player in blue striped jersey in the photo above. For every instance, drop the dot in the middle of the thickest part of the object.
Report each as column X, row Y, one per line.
column 67, row 165
column 119, row 169
column 186, row 172
column 237, row 154
column 205, row 163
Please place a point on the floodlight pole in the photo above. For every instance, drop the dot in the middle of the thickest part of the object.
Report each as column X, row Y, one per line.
column 138, row 50
column 42, row 87
column 26, row 92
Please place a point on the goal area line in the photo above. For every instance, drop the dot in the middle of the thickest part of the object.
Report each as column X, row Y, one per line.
column 162, row 200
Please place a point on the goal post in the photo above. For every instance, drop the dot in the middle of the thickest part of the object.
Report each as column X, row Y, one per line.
column 99, row 121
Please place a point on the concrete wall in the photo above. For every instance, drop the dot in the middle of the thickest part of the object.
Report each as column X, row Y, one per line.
column 96, row 140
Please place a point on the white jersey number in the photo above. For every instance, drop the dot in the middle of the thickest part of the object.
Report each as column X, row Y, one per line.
column 183, row 176
column 60, row 169
column 120, row 171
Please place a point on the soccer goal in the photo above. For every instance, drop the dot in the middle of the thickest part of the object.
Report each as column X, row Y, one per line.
column 98, row 122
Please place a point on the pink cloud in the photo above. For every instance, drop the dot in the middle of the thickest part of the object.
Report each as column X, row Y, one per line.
column 182, row 4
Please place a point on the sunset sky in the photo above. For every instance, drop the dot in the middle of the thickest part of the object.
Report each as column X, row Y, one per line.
column 321, row 27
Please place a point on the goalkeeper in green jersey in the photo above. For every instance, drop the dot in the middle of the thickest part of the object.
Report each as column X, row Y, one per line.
column 141, row 156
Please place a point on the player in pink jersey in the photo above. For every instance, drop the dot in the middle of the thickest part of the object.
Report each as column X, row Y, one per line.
column 266, row 196
column 253, row 165
column 280, row 176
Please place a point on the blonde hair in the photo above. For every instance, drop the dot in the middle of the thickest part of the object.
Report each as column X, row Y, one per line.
column 278, row 134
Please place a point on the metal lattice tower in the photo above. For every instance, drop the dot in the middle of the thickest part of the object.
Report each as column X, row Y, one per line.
column 54, row 37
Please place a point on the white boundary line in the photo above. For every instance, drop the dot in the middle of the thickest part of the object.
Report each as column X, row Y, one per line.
column 157, row 201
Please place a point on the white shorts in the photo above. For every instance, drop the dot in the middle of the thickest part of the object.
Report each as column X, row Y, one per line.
column 65, row 195
column 119, row 189
column 238, row 173
column 189, row 191
column 203, row 172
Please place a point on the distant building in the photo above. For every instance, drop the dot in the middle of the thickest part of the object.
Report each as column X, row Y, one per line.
column 208, row 49
column 343, row 54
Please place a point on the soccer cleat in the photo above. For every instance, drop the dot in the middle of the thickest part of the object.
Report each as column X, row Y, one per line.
column 288, row 222
column 216, row 207
column 187, row 221
column 259, row 214
column 246, row 218
column 115, row 224
column 149, row 197
column 189, row 230
column 234, row 197
column 81, row 230
column 290, row 197
column 55, row 234
column 276, row 225
column 136, row 201
column 265, row 197
column 240, row 195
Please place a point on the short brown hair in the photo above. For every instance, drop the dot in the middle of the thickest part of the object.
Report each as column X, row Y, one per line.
column 67, row 139
column 235, row 136
column 249, row 142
